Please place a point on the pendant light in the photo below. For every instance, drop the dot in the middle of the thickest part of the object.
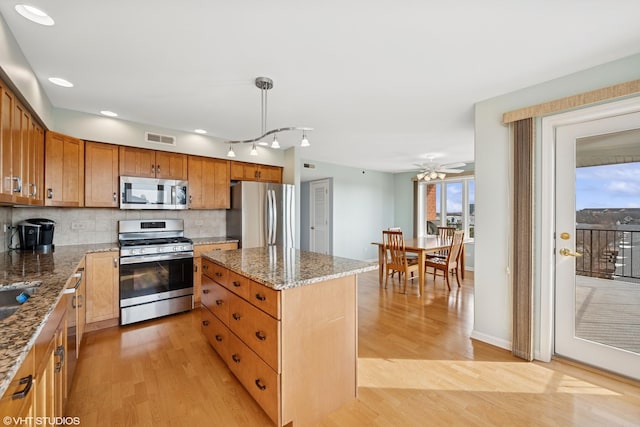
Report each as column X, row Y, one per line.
column 265, row 84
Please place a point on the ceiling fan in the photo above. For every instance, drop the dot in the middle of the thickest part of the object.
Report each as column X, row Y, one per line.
column 431, row 170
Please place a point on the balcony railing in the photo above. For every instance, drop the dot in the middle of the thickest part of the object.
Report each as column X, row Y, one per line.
column 608, row 252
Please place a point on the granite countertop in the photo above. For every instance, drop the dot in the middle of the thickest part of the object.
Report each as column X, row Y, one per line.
column 49, row 270
column 212, row 240
column 283, row 268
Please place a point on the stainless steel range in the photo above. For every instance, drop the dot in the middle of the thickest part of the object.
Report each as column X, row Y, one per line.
column 156, row 269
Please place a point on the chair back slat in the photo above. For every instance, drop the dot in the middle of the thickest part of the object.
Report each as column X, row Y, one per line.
column 394, row 243
column 454, row 249
column 446, row 233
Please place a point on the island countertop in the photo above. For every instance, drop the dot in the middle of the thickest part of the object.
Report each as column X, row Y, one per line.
column 283, row 268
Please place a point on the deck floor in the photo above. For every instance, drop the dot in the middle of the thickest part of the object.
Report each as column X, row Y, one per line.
column 608, row 312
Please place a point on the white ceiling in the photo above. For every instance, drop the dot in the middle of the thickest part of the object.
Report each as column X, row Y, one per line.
column 382, row 82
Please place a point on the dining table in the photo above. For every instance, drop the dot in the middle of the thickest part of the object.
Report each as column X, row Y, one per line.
column 420, row 246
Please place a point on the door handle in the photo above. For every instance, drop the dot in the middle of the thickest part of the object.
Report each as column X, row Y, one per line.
column 567, row 252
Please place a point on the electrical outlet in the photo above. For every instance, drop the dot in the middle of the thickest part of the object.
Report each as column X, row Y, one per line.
column 6, row 227
column 78, row 226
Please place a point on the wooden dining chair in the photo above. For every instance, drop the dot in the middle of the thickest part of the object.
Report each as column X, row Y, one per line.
column 445, row 234
column 398, row 261
column 450, row 263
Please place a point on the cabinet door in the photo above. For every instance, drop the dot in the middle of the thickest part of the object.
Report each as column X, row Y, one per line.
column 250, row 172
column 221, row 184
column 102, row 286
column 237, row 171
column 6, row 111
column 20, row 153
column 64, row 170
column 137, row 162
column 101, row 175
column 171, row 165
column 198, row 181
column 81, row 310
column 35, row 183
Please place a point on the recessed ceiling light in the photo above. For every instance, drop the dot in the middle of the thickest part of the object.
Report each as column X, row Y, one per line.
column 200, row 131
column 34, row 14
column 60, row 82
column 108, row 113
column 263, row 143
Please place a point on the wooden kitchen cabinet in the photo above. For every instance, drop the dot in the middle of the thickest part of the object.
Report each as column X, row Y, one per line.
column 101, row 175
column 253, row 172
column 51, row 369
column 21, row 153
column 284, row 346
column 198, row 250
column 102, row 281
column 152, row 164
column 18, row 400
column 208, row 183
column 64, row 170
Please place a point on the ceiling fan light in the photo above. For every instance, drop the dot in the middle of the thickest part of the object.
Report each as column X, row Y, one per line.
column 231, row 153
column 420, row 176
column 275, row 143
column 441, row 175
column 305, row 141
column 254, row 150
column 433, row 175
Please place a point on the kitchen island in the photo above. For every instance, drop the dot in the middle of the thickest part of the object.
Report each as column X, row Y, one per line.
column 285, row 323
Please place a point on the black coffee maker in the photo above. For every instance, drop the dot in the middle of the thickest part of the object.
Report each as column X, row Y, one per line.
column 36, row 234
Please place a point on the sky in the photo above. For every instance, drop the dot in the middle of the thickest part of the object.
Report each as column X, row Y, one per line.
column 608, row 186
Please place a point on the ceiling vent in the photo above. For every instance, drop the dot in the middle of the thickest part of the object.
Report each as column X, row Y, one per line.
column 159, row 139
column 309, row 165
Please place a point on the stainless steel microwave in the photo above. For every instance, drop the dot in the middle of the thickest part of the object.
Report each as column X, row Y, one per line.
column 152, row 193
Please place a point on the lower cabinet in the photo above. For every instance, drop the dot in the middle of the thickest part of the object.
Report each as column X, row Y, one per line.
column 101, row 293
column 50, row 367
column 294, row 351
column 198, row 250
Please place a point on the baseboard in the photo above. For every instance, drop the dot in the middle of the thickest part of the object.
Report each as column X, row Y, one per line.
column 103, row 324
column 489, row 339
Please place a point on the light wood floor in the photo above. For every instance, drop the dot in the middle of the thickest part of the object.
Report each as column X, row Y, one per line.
column 417, row 367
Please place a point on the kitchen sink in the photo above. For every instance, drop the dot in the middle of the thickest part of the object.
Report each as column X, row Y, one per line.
column 8, row 302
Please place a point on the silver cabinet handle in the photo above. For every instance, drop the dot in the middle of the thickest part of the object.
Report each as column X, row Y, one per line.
column 17, row 184
column 115, row 263
column 115, row 197
column 49, row 193
column 157, row 169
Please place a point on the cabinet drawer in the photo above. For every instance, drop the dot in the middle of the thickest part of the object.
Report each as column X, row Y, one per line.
column 266, row 299
column 239, row 285
column 262, row 382
column 198, row 250
column 216, row 332
column 257, row 329
column 215, row 271
column 215, row 298
column 23, row 381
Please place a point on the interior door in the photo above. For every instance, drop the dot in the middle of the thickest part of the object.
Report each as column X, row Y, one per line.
column 319, row 221
column 597, row 243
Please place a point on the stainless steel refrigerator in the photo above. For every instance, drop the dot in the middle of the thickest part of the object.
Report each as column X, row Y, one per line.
column 262, row 214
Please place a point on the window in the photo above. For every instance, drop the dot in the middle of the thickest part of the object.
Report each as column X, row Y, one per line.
column 449, row 203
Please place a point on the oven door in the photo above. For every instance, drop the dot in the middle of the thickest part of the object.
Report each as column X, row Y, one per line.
column 149, row 278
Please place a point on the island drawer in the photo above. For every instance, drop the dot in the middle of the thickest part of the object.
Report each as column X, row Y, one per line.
column 215, row 272
column 262, row 382
column 216, row 332
column 216, row 299
column 256, row 329
column 266, row 299
column 239, row 284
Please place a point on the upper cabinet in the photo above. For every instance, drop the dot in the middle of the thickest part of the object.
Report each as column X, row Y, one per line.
column 253, row 172
column 152, row 164
column 208, row 183
column 64, row 170
column 21, row 153
column 101, row 175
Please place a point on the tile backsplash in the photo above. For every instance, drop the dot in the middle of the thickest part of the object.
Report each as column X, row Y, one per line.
column 99, row 225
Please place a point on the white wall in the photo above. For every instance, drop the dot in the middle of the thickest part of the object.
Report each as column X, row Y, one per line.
column 403, row 202
column 363, row 205
column 17, row 69
column 493, row 290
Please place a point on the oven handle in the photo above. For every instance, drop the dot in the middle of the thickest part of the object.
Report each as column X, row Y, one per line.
column 152, row 258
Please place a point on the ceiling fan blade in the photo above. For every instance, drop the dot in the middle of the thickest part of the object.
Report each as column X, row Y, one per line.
column 450, row 170
column 453, row 165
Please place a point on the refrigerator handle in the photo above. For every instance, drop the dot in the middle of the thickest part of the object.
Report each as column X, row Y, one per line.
column 269, row 215
column 274, row 218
